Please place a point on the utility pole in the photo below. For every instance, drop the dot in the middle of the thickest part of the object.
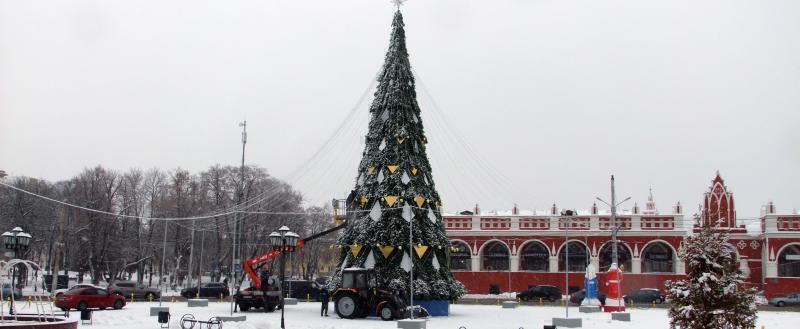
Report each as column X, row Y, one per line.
column 614, row 228
column 234, row 255
column 191, row 257
column 163, row 264
column 54, row 270
column 200, row 267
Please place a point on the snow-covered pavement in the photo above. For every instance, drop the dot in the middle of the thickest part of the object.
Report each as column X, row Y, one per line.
column 306, row 316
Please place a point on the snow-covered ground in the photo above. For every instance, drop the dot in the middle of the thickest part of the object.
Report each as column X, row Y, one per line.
column 306, row 316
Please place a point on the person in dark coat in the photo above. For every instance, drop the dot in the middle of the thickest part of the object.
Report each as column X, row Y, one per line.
column 323, row 298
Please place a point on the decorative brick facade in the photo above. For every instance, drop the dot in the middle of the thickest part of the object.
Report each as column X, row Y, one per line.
column 517, row 250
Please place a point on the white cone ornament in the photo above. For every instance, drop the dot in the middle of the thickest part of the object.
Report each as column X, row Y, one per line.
column 405, row 179
column 406, row 262
column 590, row 287
column 375, row 213
column 431, row 215
column 370, row 261
column 435, row 262
column 407, row 214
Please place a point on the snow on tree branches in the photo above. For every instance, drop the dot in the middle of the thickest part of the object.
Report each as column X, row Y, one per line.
column 713, row 295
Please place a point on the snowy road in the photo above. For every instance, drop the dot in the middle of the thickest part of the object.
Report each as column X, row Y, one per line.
column 306, row 316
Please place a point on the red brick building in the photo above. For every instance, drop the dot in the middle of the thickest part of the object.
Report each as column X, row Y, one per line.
column 516, row 249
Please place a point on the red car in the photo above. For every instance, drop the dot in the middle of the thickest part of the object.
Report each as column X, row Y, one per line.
column 85, row 298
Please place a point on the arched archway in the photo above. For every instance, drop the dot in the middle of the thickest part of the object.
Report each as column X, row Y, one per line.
column 534, row 256
column 578, row 256
column 606, row 255
column 460, row 257
column 658, row 257
column 494, row 256
column 789, row 261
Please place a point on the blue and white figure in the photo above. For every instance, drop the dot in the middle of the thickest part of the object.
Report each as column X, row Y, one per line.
column 590, row 287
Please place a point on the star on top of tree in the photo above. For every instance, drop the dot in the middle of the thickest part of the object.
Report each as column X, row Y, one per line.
column 398, row 3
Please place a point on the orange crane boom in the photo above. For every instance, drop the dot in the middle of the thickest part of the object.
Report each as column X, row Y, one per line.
column 249, row 265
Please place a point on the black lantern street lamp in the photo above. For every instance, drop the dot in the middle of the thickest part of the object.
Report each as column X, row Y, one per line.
column 15, row 241
column 284, row 241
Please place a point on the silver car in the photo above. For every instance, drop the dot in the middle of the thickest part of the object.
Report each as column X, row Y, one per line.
column 131, row 289
column 790, row 299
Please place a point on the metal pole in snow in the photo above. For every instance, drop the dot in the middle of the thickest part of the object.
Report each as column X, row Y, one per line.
column 163, row 258
column 566, row 262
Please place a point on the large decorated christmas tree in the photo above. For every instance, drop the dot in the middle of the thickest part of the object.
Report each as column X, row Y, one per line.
column 394, row 222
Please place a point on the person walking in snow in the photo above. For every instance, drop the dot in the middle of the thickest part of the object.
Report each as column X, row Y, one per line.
column 323, row 298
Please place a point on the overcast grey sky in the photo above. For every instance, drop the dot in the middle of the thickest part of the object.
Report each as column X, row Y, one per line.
column 551, row 96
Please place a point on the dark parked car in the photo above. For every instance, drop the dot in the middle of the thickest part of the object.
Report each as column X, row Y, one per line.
column 549, row 293
column 131, row 288
column 301, row 289
column 645, row 295
column 210, row 289
column 577, row 297
column 85, row 298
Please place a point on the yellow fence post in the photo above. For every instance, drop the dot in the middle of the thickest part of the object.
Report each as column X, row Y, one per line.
column 173, row 299
column 131, row 297
column 221, row 297
column 308, row 297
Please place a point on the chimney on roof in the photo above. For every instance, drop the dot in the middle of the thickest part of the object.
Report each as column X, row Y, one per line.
column 554, row 210
column 594, row 208
column 770, row 208
column 477, row 209
column 635, row 210
column 515, row 210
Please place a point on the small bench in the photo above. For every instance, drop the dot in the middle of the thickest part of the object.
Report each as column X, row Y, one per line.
column 196, row 302
column 188, row 321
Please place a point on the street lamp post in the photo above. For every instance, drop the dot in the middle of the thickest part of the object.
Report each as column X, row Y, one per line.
column 15, row 241
column 614, row 274
column 283, row 241
column 567, row 220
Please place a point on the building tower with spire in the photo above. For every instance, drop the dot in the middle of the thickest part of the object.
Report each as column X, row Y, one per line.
column 718, row 208
column 395, row 191
column 650, row 206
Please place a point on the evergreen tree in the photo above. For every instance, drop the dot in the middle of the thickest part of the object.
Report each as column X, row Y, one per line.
column 712, row 296
column 395, row 187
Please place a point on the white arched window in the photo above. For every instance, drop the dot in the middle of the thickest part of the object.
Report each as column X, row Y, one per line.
column 578, row 257
column 495, row 257
column 460, row 257
column 534, row 257
column 789, row 261
column 658, row 257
